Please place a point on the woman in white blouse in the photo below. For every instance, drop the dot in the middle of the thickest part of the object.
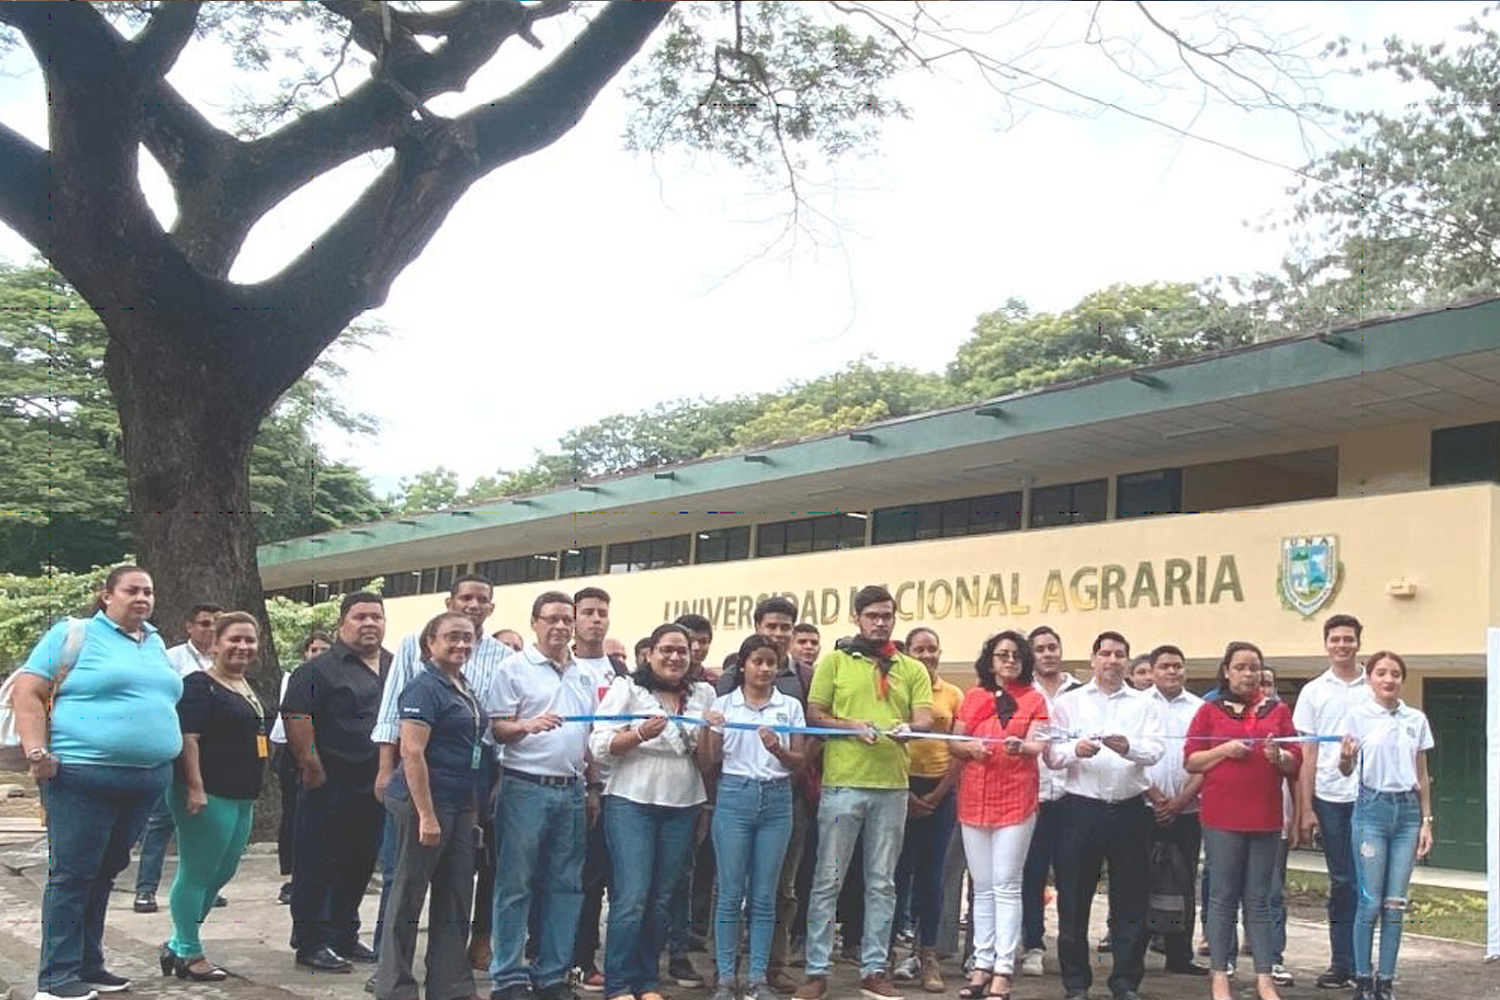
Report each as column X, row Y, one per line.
column 652, row 802
column 1387, row 743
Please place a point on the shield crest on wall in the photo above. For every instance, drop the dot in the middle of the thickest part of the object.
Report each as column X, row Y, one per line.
column 1309, row 574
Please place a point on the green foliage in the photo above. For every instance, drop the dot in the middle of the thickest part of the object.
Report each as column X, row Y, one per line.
column 292, row 622
column 29, row 605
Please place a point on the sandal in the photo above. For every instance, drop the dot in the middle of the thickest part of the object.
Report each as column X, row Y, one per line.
column 977, row 991
column 992, row 995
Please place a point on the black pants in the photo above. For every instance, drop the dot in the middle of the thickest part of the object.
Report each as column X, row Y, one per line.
column 1040, row 860
column 596, row 874
column 1091, row 833
column 289, row 778
column 338, row 838
column 1187, row 834
column 484, row 854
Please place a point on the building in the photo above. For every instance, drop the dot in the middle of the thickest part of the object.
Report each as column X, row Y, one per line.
column 1243, row 495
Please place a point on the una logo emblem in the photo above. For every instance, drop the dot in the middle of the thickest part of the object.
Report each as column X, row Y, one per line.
column 1310, row 572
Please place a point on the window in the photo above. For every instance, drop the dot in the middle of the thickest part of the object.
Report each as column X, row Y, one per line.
column 649, row 553
column 428, row 584
column 1142, row 494
column 519, row 569
column 811, row 534
column 1466, row 454
column 445, row 579
column 401, row 583
column 948, row 519
column 1071, row 503
column 581, row 562
column 723, row 545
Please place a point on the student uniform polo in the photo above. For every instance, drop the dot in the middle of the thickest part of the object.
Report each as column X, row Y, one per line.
column 744, row 754
column 848, row 684
column 1389, row 742
column 1322, row 706
column 455, row 740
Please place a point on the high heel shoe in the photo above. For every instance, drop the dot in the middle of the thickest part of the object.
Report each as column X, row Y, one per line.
column 167, row 958
column 976, row 991
column 182, row 968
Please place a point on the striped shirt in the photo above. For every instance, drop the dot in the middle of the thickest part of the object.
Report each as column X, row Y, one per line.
column 484, row 660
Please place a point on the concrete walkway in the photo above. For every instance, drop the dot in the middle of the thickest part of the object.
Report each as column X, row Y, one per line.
column 250, row 939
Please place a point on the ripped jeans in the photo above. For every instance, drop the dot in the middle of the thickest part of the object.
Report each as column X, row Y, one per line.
column 1384, row 839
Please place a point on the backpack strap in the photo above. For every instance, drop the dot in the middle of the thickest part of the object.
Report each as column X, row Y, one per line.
column 72, row 646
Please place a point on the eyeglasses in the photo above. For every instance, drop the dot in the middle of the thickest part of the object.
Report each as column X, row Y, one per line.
column 1006, row 654
column 673, row 651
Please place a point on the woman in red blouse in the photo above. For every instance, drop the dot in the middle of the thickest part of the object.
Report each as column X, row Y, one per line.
column 997, row 801
column 1230, row 743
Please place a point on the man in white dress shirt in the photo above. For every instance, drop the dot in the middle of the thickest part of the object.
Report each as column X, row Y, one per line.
column 1104, row 736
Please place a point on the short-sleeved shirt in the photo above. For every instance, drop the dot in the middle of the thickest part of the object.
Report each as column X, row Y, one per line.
column 930, row 758
column 527, row 685
column 792, row 678
column 118, row 704
column 1242, row 794
column 187, row 660
column 1389, row 742
column 1169, row 775
column 228, row 726
column 744, row 754
column 1322, row 705
column 1000, row 790
column 455, row 741
column 342, row 695
column 848, row 684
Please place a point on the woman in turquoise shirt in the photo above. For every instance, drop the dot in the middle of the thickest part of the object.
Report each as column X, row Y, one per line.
column 106, row 761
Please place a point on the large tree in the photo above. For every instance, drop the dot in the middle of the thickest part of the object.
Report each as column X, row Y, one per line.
column 196, row 361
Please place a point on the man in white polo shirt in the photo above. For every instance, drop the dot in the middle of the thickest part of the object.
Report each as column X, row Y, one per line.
column 1325, row 796
column 540, row 817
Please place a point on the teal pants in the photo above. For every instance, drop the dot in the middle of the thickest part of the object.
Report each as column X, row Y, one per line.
column 209, row 847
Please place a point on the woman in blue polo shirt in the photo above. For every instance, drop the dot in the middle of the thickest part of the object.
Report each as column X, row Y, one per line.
column 105, row 762
column 433, row 801
column 753, row 813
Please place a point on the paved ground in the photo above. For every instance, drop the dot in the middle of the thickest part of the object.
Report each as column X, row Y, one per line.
column 249, row 938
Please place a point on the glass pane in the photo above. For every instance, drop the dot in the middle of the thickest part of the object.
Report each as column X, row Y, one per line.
column 429, row 581
column 619, row 558
column 770, row 540
column 1000, row 512
column 799, row 537
column 737, row 543
column 681, row 546
column 955, row 518
column 1091, row 501
column 1143, row 494
column 852, row 532
column 1466, row 454
column 929, row 521
column 710, row 546
column 1051, row 506
column 896, row 524
column 444, row 579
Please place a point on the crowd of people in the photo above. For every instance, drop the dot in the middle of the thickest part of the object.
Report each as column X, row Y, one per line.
column 508, row 786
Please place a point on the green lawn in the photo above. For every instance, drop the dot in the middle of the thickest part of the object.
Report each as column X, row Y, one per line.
column 1445, row 913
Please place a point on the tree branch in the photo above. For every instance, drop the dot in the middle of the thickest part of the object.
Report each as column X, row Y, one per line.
column 155, row 48
column 24, row 189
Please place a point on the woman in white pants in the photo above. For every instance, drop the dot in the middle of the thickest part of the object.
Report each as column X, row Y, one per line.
column 997, row 801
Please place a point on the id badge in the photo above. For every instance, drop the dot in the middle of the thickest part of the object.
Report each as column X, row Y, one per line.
column 262, row 746
column 478, row 757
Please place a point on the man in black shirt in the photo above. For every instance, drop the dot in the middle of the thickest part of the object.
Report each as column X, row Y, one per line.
column 331, row 705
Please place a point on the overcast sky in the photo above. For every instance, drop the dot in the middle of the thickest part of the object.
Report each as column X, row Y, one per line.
column 585, row 280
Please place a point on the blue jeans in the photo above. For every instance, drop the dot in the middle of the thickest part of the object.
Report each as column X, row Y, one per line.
column 1244, row 866
column 539, row 847
column 94, row 813
column 649, row 847
column 751, row 828
column 159, row 829
column 1386, row 826
column 844, row 812
column 1334, row 823
column 919, row 872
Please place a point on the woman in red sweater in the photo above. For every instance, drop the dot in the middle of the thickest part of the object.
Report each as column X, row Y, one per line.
column 1230, row 742
column 997, row 801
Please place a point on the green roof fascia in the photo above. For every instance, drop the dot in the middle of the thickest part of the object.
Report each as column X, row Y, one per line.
column 1271, row 367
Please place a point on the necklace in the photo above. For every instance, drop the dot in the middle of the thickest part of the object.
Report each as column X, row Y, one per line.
column 239, row 686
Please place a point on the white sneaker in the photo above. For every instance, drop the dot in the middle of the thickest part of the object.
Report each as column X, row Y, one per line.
column 908, row 970
column 1282, row 976
column 1031, row 962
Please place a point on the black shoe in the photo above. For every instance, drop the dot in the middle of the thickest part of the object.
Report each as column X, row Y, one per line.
column 1158, row 944
column 145, row 902
column 1364, row 988
column 1076, row 995
column 1127, row 995
column 1384, row 988
column 515, row 991
column 1191, row 969
column 681, row 971
column 325, row 959
column 357, row 952
column 106, row 982
column 284, row 897
column 1335, row 979
column 67, row 991
column 220, row 902
column 556, row 991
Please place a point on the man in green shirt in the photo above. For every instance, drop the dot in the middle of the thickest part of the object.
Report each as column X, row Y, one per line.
column 865, row 686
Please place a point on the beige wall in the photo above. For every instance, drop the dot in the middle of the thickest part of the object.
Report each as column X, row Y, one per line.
column 1389, row 460
column 1197, row 580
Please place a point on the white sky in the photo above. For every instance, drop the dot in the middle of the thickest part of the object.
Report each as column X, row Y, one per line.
column 585, row 281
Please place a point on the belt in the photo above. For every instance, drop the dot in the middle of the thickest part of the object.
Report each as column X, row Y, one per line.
column 545, row 780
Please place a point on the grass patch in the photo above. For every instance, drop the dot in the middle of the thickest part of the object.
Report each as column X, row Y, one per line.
column 1446, row 913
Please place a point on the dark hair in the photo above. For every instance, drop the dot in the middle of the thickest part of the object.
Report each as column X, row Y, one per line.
column 430, row 630
column 113, row 580
column 919, row 630
column 471, row 578
column 548, row 597
column 1043, row 630
column 984, row 670
column 228, row 618
column 644, row 675
column 358, row 597
column 199, row 609
column 1109, row 636
column 313, row 637
column 805, row 627
column 873, row 594
column 776, row 605
column 1343, row 621
column 752, row 644
column 696, row 623
column 597, row 593
column 1237, row 646
column 641, row 644
column 1165, row 649
column 1385, row 654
